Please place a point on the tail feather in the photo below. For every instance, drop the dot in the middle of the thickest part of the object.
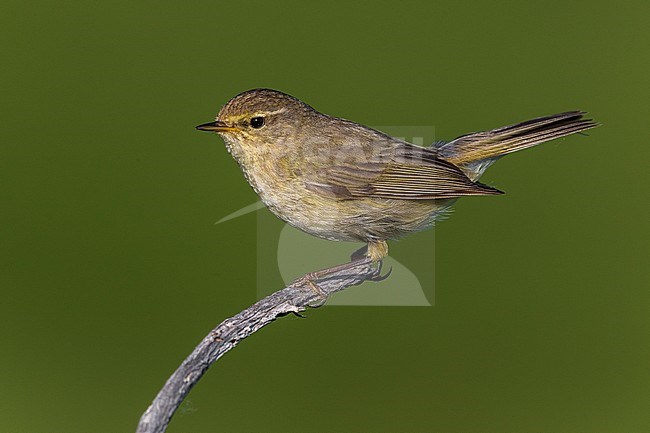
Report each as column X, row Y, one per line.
column 476, row 151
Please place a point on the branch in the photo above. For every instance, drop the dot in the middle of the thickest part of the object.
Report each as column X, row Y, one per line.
column 233, row 330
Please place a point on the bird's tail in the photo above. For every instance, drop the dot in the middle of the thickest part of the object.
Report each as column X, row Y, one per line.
column 473, row 153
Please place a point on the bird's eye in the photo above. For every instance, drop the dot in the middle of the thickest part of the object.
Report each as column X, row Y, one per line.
column 257, row 122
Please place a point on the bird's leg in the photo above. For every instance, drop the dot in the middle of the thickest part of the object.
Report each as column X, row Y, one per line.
column 377, row 250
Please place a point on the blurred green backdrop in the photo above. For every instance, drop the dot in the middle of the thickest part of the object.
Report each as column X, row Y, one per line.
column 112, row 268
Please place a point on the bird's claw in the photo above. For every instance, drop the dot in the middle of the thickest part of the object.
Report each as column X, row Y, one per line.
column 377, row 276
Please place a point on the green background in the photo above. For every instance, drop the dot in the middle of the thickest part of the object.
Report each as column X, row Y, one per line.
column 112, row 269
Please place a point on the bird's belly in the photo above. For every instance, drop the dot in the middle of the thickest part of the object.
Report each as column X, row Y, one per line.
column 363, row 219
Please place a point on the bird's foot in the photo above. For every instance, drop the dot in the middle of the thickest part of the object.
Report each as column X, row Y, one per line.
column 377, row 276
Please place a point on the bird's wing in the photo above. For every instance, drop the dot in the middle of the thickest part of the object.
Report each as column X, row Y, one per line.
column 403, row 171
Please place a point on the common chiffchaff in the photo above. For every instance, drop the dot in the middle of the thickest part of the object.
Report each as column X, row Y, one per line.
column 339, row 180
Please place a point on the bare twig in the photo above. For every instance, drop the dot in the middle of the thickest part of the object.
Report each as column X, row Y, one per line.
column 231, row 331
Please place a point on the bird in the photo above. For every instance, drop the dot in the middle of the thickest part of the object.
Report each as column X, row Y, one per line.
column 342, row 181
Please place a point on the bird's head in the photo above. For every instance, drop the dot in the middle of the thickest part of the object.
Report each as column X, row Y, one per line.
column 261, row 117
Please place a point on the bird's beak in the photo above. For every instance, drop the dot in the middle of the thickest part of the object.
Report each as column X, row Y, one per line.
column 216, row 126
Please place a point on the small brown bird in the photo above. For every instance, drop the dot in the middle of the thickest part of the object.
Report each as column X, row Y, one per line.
column 342, row 181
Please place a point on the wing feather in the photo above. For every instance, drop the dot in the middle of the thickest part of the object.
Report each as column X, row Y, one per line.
column 408, row 172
